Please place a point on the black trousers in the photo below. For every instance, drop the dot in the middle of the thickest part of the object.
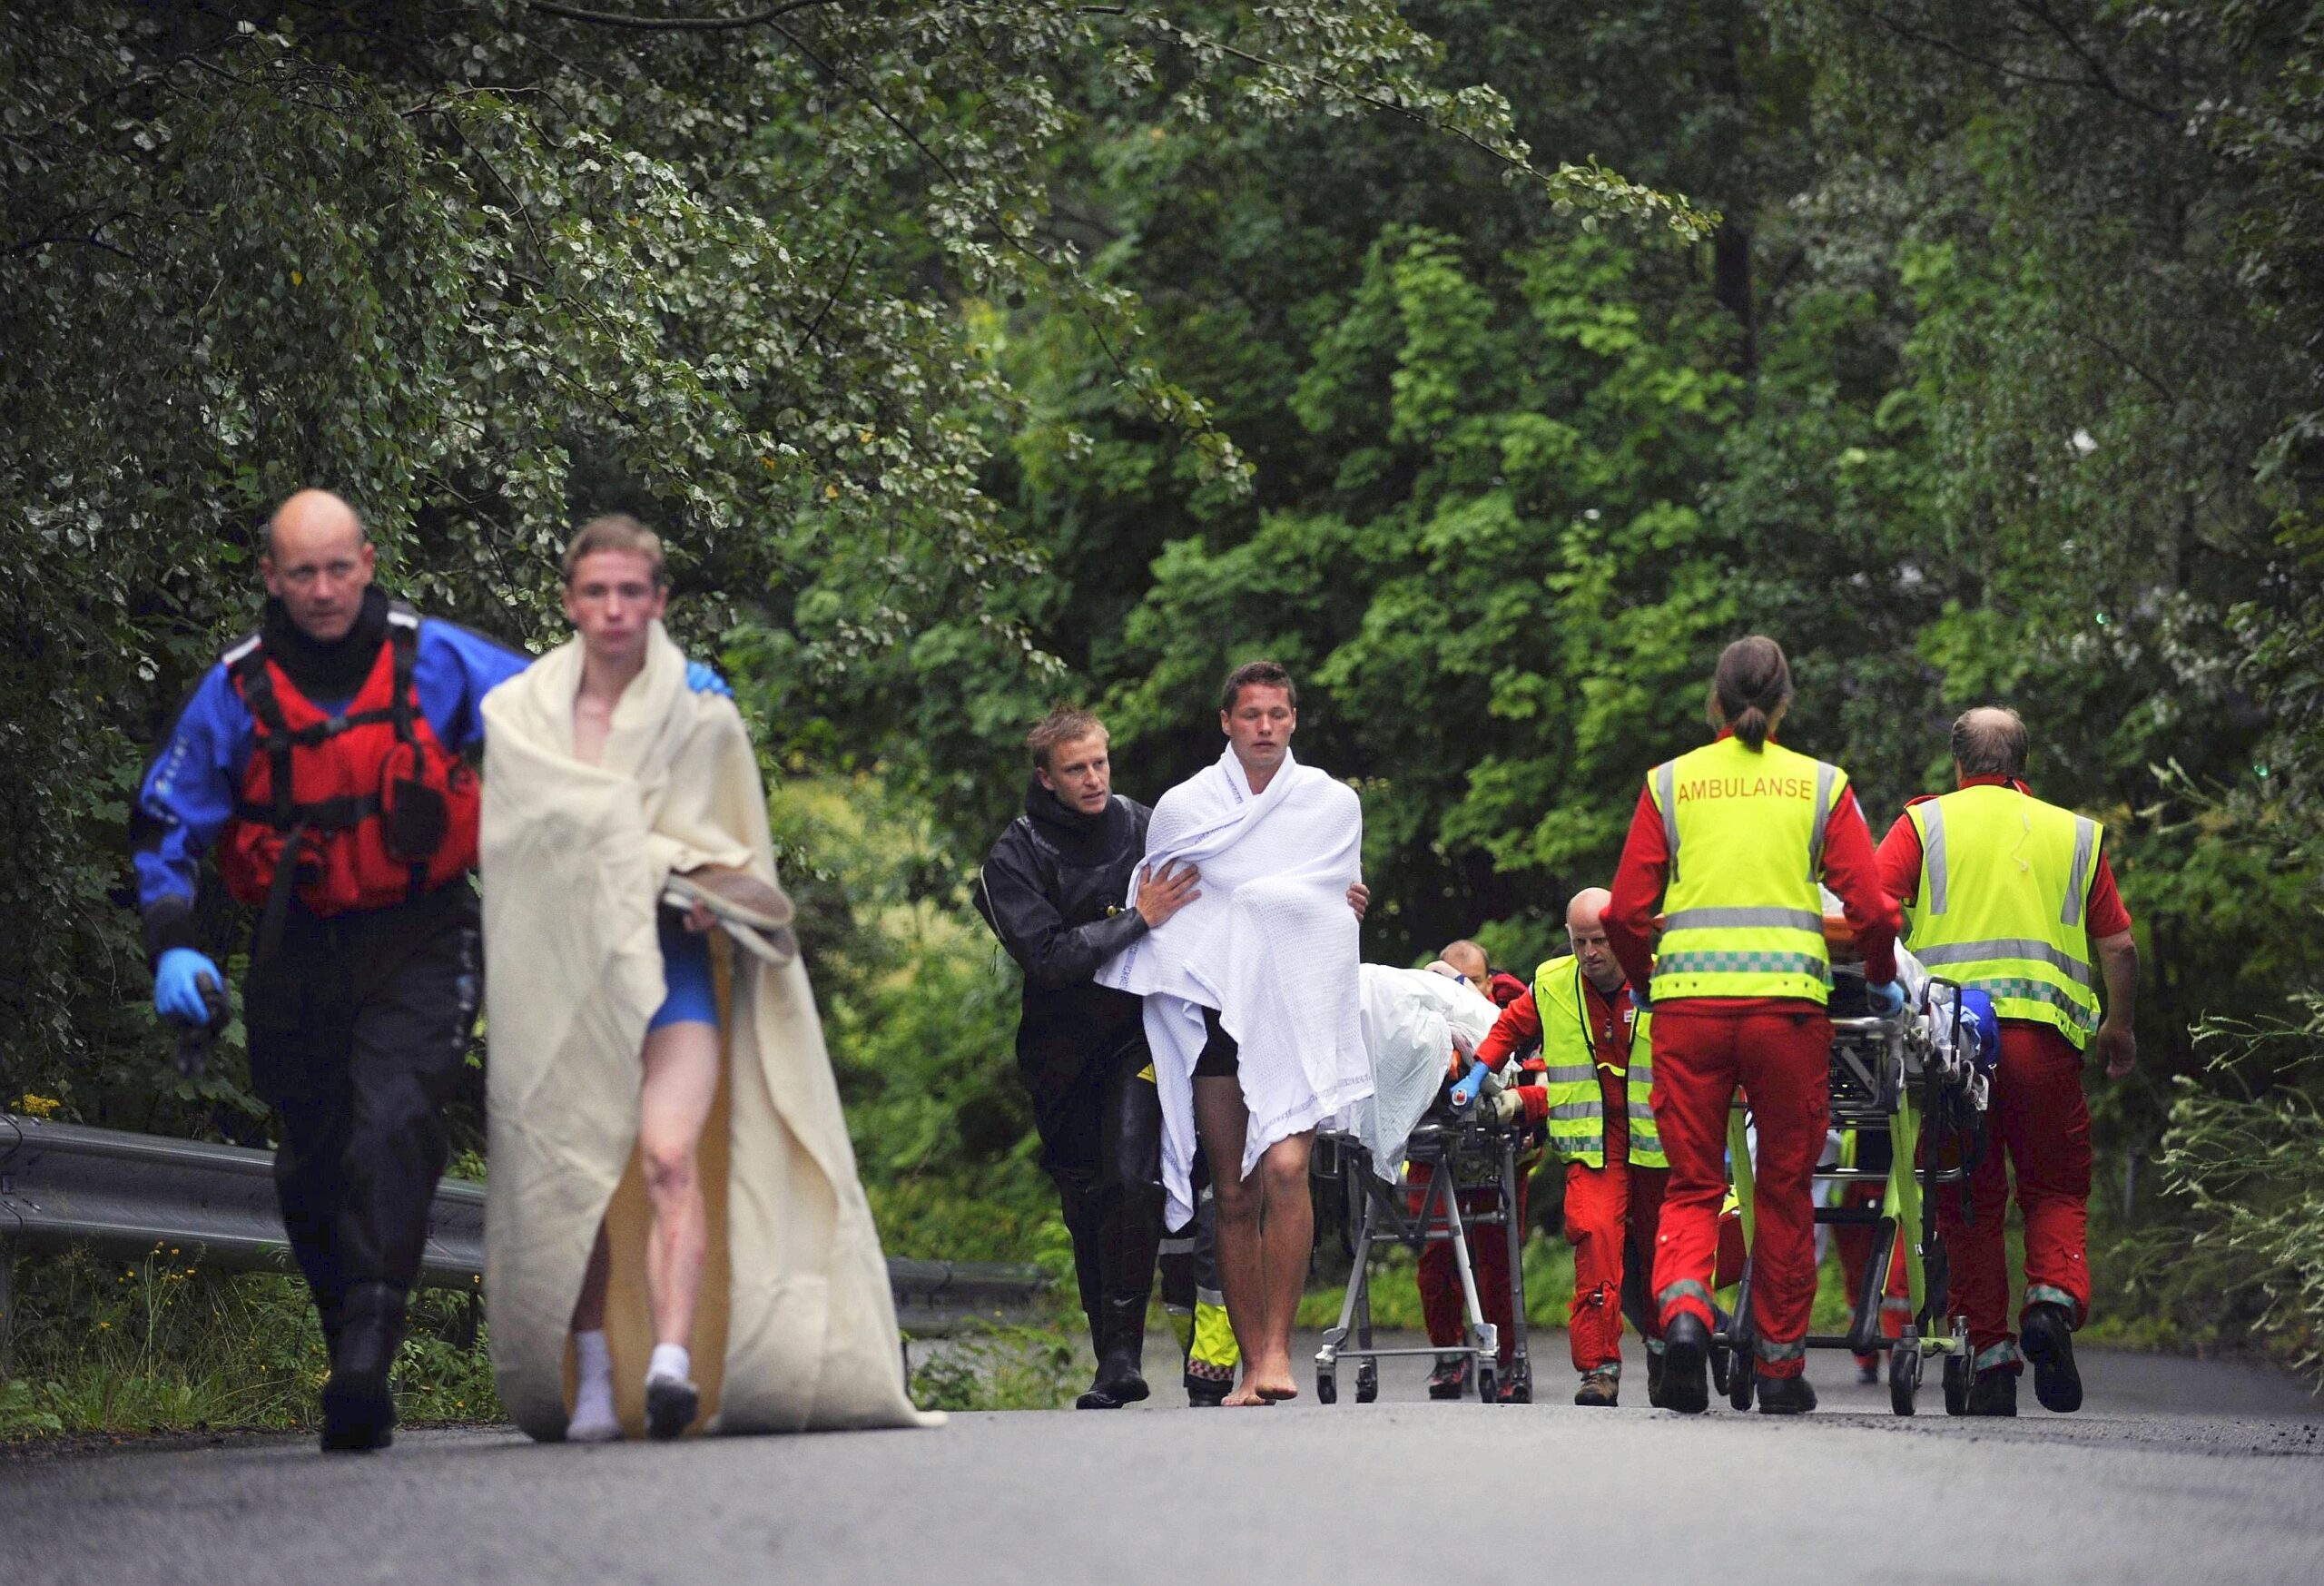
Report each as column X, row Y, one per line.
column 1101, row 1125
column 358, row 1025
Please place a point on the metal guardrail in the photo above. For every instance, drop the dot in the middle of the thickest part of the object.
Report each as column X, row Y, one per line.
column 125, row 1194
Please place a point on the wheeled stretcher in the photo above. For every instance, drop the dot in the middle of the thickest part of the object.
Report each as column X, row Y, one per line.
column 1462, row 1154
column 1919, row 1077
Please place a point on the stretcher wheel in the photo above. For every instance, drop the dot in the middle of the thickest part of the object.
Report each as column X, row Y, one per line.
column 1721, row 1362
column 1956, row 1384
column 1739, row 1385
column 1327, row 1388
column 1904, row 1376
column 1488, row 1384
column 1367, row 1383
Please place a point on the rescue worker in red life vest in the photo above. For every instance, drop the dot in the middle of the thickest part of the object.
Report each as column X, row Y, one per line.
column 1731, row 839
column 1596, row 1080
column 2015, row 896
column 320, row 755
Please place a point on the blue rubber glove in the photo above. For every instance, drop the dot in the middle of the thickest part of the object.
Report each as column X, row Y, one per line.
column 1465, row 1092
column 177, row 985
column 702, row 679
column 1887, row 998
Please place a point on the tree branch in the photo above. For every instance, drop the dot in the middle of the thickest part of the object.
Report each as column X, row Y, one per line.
column 2100, row 78
column 674, row 24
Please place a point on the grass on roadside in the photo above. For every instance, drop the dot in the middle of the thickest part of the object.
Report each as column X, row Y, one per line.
column 161, row 1345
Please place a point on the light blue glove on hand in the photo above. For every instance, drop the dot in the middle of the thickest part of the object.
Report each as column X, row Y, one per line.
column 1887, row 998
column 702, row 679
column 177, row 985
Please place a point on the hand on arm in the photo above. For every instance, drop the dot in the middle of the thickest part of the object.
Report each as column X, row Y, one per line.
column 1359, row 898
column 1010, row 896
column 2116, row 1043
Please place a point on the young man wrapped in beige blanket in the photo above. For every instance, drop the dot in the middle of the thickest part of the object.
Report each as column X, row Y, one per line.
column 672, row 1189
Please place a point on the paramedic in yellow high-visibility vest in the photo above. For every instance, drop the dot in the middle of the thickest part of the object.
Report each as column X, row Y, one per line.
column 1730, row 840
column 2015, row 896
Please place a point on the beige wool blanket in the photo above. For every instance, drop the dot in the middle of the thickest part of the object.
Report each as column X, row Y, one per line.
column 797, row 1327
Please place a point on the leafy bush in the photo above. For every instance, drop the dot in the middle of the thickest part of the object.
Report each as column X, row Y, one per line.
column 2242, row 1256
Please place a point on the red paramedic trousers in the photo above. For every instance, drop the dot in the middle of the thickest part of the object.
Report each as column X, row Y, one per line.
column 1782, row 1063
column 2038, row 1119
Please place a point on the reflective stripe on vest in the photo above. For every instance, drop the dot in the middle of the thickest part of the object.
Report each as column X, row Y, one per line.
column 1576, row 1097
column 1744, row 917
column 2002, row 903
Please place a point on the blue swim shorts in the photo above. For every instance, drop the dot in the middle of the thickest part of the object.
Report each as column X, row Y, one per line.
column 693, row 992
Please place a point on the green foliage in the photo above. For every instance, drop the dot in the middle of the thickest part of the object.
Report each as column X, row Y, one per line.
column 164, row 1345
column 2242, row 1255
column 996, row 1366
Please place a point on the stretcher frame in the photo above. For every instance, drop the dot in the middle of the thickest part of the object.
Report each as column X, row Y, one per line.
column 1462, row 1154
column 1888, row 1076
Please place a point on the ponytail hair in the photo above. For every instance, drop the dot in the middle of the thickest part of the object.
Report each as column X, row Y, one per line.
column 1750, row 689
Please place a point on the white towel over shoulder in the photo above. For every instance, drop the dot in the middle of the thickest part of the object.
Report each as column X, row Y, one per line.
column 1271, row 945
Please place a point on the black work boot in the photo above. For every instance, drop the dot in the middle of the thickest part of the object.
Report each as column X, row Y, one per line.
column 1449, row 1380
column 1686, row 1355
column 1204, row 1394
column 359, row 1401
column 1654, row 1375
column 1787, row 1395
column 1600, row 1388
column 1992, row 1392
column 2047, row 1338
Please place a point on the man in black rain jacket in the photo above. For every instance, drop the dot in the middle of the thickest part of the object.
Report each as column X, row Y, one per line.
column 1052, row 891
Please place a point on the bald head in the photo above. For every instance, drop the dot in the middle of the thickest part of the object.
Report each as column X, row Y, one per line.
column 1468, row 959
column 318, row 562
column 1586, row 936
column 1989, row 740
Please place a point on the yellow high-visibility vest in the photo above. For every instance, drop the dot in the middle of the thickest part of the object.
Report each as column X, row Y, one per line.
column 1742, row 916
column 1576, row 1103
column 2003, row 903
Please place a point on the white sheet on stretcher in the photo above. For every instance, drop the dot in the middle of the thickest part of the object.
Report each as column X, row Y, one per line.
column 1413, row 1020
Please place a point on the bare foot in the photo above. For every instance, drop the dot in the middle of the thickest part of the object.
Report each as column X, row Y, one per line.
column 1245, row 1396
column 1272, row 1381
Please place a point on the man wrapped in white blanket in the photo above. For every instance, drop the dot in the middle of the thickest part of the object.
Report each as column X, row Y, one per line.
column 1251, row 1003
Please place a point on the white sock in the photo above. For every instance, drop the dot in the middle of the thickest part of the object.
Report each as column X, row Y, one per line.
column 594, row 1420
column 594, row 1361
column 669, row 1360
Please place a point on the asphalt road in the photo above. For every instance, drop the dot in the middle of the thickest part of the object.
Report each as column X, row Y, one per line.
column 2178, row 1470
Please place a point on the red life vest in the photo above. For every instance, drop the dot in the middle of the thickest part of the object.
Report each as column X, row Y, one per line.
column 370, row 806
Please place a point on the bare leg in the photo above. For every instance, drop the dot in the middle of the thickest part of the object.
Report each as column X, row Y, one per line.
column 681, row 1084
column 589, row 1310
column 1222, row 1120
column 1286, row 1240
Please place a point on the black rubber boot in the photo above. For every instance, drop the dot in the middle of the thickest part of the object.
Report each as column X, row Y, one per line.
column 359, row 1401
column 1785, row 1395
column 1120, row 1378
column 1992, row 1392
column 2047, row 1338
column 1686, row 1365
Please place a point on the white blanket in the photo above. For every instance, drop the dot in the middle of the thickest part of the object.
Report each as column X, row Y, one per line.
column 797, row 1326
column 1413, row 1022
column 1271, row 945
